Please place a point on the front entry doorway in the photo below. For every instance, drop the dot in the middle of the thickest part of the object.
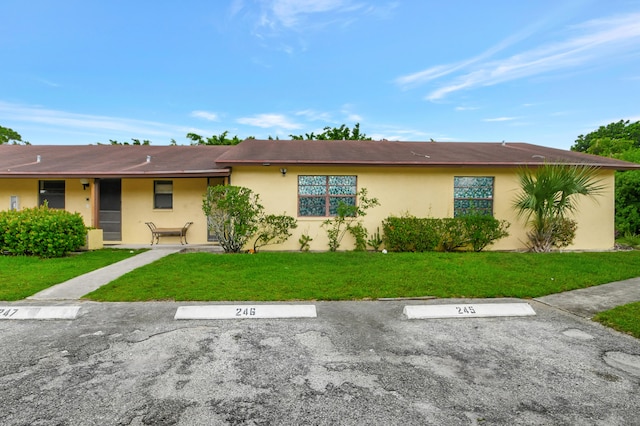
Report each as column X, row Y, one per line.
column 110, row 201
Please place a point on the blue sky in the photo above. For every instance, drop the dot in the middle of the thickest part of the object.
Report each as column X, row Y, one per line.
column 543, row 72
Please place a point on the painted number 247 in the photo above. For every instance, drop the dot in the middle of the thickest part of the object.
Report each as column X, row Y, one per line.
column 8, row 312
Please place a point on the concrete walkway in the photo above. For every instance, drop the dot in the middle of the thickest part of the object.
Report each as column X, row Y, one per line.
column 77, row 287
column 586, row 302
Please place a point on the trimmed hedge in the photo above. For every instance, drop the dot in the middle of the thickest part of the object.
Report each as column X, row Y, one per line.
column 412, row 234
column 41, row 231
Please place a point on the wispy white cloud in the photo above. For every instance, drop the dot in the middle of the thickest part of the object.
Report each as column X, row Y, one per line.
column 209, row 116
column 466, row 108
column 289, row 13
column 47, row 82
column 268, row 121
column 589, row 43
column 307, row 14
column 313, row 115
column 111, row 127
column 498, row 119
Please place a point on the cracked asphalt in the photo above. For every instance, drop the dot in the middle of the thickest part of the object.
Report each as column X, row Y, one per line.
column 356, row 363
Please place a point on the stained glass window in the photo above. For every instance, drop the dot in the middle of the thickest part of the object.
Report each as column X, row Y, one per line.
column 472, row 195
column 321, row 195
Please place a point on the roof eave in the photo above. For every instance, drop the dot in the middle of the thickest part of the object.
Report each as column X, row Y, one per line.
column 108, row 175
column 421, row 164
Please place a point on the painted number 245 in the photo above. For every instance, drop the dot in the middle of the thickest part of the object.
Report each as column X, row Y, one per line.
column 465, row 310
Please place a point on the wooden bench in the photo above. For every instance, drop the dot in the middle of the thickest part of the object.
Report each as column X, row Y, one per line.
column 156, row 232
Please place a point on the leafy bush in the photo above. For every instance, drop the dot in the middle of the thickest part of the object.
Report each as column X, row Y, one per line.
column 360, row 234
column 483, row 230
column 41, row 231
column 274, row 229
column 375, row 241
column 409, row 233
column 304, row 241
column 453, row 233
column 233, row 213
column 413, row 234
column 348, row 219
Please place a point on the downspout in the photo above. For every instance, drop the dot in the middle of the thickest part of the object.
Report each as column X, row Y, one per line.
column 95, row 203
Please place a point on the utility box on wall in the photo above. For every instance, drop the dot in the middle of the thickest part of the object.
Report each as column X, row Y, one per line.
column 94, row 239
column 13, row 203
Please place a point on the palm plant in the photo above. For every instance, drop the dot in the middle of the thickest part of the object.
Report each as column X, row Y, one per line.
column 548, row 194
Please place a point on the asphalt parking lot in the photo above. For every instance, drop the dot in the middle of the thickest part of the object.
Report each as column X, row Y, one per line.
column 356, row 363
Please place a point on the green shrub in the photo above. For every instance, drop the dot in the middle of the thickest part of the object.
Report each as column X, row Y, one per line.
column 305, row 240
column 348, row 218
column 411, row 234
column 453, row 233
column 360, row 234
column 234, row 213
column 375, row 241
column 483, row 230
column 274, row 229
column 41, row 231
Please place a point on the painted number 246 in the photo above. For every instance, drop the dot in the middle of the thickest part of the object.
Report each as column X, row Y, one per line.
column 246, row 312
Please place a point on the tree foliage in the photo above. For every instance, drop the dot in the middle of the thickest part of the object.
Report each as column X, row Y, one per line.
column 335, row 134
column 619, row 140
column 548, row 193
column 10, row 136
column 220, row 139
column 614, row 138
column 134, row 141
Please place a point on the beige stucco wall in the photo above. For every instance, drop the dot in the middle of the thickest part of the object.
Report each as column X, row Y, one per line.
column 137, row 205
column 27, row 192
column 419, row 192
column 422, row 193
column 137, row 208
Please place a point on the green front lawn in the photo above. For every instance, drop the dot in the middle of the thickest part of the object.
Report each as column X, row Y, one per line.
column 356, row 275
column 624, row 318
column 22, row 276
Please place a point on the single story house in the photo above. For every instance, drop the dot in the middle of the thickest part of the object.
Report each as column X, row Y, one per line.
column 118, row 188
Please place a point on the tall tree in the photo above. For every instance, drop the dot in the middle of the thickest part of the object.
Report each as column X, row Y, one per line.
column 335, row 134
column 8, row 135
column 610, row 139
column 619, row 140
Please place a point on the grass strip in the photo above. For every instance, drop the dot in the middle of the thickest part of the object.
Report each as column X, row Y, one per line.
column 624, row 318
column 272, row 276
column 23, row 276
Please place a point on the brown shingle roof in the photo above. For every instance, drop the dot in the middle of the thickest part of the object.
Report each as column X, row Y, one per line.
column 387, row 153
column 205, row 160
column 110, row 161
